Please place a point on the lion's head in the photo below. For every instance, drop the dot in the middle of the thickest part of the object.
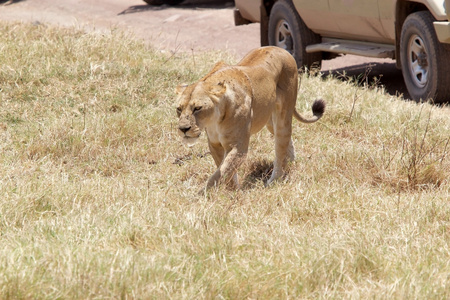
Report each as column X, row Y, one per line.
column 197, row 108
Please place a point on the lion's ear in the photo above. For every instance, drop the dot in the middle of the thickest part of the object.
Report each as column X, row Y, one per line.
column 218, row 90
column 180, row 89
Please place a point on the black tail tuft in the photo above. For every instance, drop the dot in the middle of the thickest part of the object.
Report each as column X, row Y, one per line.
column 318, row 107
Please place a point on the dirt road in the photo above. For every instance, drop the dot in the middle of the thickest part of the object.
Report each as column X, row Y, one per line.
column 194, row 26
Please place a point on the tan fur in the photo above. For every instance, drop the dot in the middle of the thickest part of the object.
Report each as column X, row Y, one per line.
column 233, row 102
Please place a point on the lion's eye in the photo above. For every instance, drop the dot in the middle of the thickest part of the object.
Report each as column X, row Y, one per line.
column 179, row 110
column 197, row 109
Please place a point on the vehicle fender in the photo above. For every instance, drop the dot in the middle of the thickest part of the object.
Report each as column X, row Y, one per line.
column 264, row 25
column 436, row 8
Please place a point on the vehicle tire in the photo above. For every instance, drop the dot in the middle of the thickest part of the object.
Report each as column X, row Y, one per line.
column 161, row 2
column 425, row 61
column 288, row 31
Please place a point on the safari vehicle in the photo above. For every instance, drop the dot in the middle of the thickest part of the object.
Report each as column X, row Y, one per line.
column 161, row 2
column 416, row 33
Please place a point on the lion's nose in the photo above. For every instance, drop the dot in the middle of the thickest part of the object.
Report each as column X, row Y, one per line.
column 184, row 129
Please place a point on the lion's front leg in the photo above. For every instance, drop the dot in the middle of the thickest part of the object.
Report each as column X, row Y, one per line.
column 227, row 170
column 217, row 152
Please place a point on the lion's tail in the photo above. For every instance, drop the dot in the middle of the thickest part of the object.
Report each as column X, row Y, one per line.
column 318, row 108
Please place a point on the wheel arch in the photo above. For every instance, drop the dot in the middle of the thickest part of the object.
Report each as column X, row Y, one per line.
column 402, row 10
column 266, row 8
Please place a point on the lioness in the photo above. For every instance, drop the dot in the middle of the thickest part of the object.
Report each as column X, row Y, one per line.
column 233, row 102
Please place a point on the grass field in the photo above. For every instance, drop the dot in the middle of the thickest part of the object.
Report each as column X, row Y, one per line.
column 98, row 197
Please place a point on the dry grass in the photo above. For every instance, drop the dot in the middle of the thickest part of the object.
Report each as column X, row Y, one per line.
column 99, row 198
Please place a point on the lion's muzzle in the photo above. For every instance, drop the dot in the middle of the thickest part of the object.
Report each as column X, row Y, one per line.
column 188, row 134
column 184, row 128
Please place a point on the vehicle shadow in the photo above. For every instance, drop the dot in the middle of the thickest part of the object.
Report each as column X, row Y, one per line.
column 188, row 4
column 374, row 73
column 9, row 2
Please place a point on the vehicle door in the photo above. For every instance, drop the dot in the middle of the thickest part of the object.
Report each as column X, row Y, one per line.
column 317, row 15
column 387, row 17
column 358, row 19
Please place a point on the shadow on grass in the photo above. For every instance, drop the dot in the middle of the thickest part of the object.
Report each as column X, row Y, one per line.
column 188, row 4
column 382, row 74
column 9, row 2
column 256, row 172
column 376, row 74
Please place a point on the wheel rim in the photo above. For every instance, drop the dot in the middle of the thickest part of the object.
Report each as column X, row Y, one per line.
column 418, row 61
column 283, row 36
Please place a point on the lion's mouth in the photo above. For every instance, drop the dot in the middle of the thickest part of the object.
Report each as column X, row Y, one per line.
column 190, row 141
column 189, row 135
